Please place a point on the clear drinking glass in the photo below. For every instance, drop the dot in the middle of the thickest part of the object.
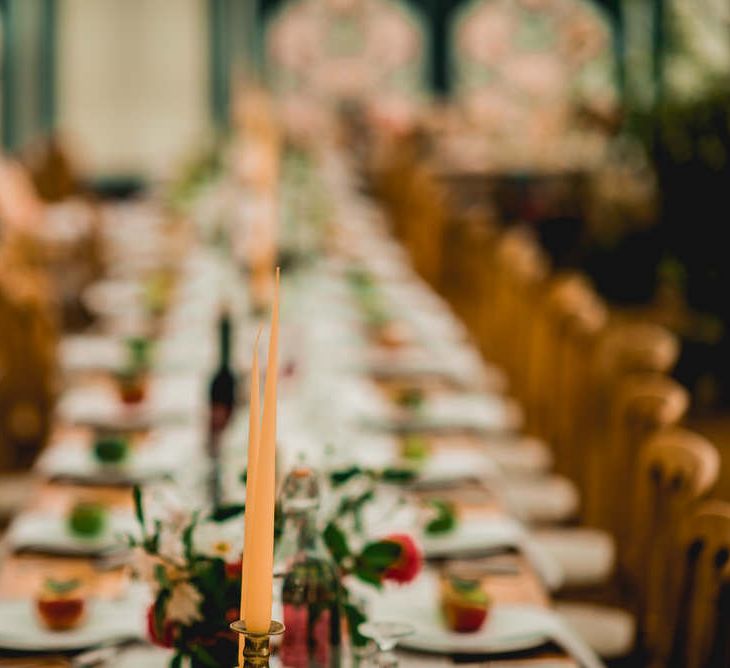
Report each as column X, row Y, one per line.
column 386, row 634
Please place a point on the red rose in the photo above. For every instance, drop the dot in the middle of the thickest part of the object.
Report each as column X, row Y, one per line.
column 408, row 564
column 168, row 635
column 233, row 570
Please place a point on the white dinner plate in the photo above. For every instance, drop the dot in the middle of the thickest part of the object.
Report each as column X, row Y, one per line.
column 509, row 628
column 106, row 621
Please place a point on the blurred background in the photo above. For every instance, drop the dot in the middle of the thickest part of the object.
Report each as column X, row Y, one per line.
column 602, row 125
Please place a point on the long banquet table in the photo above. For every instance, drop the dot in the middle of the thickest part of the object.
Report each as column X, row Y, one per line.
column 21, row 574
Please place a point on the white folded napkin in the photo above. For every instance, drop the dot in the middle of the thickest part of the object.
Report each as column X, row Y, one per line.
column 476, row 411
column 171, row 398
column 164, row 455
column 475, row 535
column 452, row 464
column 107, row 621
column 48, row 532
column 113, row 296
column 89, row 352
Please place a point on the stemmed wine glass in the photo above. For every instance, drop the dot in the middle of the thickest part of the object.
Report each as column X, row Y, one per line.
column 386, row 634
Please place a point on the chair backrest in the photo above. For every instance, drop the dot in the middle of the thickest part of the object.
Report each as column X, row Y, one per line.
column 575, row 317
column 391, row 177
column 425, row 220
column 541, row 351
column 626, row 349
column 700, row 638
column 467, row 270
column 520, row 276
column 51, row 167
column 583, row 331
column 645, row 404
column 631, row 347
column 676, row 469
column 27, row 366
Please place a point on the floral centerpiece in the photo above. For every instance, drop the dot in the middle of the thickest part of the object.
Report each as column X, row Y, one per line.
column 192, row 562
column 193, row 566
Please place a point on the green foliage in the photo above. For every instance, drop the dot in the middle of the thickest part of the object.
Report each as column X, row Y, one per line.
column 161, row 577
column 203, row 657
column 223, row 513
column 158, row 612
column 355, row 616
column 61, row 587
column 198, row 173
column 336, row 542
column 381, row 554
column 391, row 475
column 187, row 538
column 398, row 476
column 445, row 519
column 339, row 478
column 138, row 507
column 368, row 297
column 374, row 560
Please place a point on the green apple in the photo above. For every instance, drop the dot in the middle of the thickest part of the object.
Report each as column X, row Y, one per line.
column 415, row 448
column 139, row 350
column 111, row 449
column 87, row 519
column 411, row 398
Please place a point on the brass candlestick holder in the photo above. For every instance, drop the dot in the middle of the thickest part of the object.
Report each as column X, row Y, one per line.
column 256, row 645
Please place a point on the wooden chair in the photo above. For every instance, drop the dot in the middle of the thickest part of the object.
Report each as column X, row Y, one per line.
column 466, row 276
column 425, row 219
column 37, row 236
column 390, row 175
column 27, row 382
column 583, row 320
column 51, row 167
column 645, row 405
column 27, row 367
column 520, row 276
column 626, row 349
column 677, row 468
column 567, row 301
column 699, row 629
column 484, row 244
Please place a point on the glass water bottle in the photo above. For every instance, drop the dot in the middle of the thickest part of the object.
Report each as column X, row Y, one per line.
column 312, row 638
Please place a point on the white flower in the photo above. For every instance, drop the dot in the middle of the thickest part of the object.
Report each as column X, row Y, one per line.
column 223, row 540
column 184, row 604
column 143, row 565
column 168, row 505
column 171, row 546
